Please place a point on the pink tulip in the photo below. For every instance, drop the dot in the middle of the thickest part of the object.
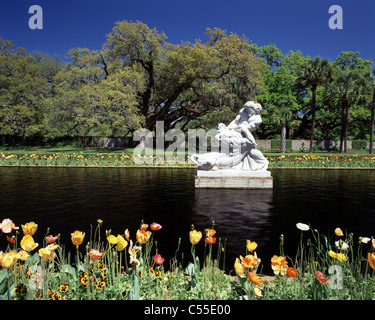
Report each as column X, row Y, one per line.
column 155, row 226
column 51, row 239
column 95, row 254
column 158, row 259
column 7, row 226
column 320, row 276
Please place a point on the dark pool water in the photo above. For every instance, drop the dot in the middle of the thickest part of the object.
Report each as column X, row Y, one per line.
column 68, row 199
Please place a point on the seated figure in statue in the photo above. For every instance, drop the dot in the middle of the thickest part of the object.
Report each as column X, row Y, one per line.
column 238, row 146
column 246, row 119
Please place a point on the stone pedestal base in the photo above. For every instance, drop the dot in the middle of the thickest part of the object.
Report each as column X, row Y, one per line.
column 234, row 179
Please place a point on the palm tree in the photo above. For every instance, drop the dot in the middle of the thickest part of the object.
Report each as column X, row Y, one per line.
column 350, row 88
column 316, row 72
column 281, row 117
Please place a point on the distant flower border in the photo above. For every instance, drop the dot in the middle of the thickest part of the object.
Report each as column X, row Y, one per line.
column 108, row 160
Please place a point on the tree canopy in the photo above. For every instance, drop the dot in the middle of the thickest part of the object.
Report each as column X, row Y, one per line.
column 138, row 78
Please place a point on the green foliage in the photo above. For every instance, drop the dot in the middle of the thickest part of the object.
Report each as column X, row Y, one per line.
column 115, row 275
column 22, row 92
column 138, row 78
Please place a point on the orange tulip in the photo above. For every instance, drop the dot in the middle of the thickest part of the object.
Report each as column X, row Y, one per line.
column 250, row 261
column 142, row 236
column 371, row 260
column 210, row 232
column 291, row 272
column 210, row 240
column 278, row 261
column 254, row 278
column 77, row 237
column 11, row 240
column 279, row 265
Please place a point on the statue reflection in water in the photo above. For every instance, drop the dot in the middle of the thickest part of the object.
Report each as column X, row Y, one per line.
column 239, row 215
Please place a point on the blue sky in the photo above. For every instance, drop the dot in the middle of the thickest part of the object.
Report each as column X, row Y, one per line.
column 289, row 24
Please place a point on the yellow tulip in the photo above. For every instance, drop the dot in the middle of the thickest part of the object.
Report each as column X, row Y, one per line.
column 29, row 228
column 112, row 239
column 77, row 237
column 45, row 253
column 8, row 259
column 239, row 268
column 339, row 256
column 122, row 243
column 22, row 255
column 195, row 236
column 119, row 240
column 339, row 232
column 48, row 252
column 251, row 246
column 28, row 244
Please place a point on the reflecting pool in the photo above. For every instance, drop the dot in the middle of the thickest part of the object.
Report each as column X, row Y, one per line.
column 68, row 199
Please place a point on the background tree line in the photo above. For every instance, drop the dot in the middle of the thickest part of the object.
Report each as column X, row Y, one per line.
column 138, row 78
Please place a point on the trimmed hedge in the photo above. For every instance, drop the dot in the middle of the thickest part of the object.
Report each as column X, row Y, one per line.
column 359, row 144
column 275, row 144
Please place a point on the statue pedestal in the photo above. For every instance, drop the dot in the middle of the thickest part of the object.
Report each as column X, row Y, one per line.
column 234, row 179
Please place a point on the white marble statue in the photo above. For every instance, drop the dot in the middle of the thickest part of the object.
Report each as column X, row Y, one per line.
column 238, row 146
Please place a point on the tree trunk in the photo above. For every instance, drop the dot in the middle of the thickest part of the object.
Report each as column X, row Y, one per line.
column 283, row 139
column 372, row 121
column 313, row 103
column 344, row 125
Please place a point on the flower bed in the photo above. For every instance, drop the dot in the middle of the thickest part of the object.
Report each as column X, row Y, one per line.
column 119, row 267
column 126, row 160
column 322, row 161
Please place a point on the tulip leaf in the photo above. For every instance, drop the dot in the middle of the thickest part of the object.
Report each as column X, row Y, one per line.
column 197, row 264
column 34, row 259
column 190, row 268
column 134, row 292
column 81, row 268
column 3, row 275
column 70, row 270
column 4, row 282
